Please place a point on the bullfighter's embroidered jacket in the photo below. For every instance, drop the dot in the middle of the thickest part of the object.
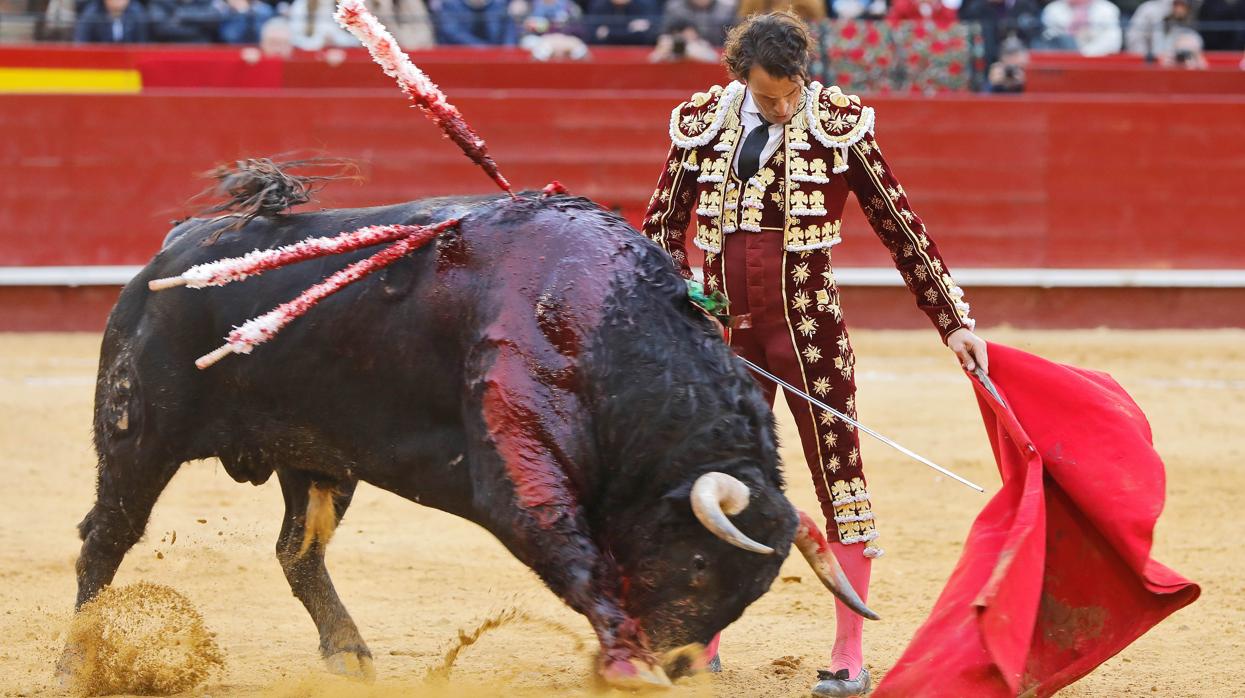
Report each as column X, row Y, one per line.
column 828, row 149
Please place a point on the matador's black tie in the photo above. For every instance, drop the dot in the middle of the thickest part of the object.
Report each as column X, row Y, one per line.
column 750, row 156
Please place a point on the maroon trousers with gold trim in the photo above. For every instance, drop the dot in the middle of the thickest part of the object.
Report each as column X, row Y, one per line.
column 795, row 330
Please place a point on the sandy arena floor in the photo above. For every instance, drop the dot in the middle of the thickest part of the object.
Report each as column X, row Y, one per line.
column 412, row 577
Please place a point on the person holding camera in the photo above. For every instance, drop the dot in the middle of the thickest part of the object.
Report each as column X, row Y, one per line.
column 1007, row 74
column 709, row 18
column 1183, row 50
column 682, row 42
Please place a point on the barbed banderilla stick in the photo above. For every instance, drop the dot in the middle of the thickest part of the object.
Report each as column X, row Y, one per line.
column 821, row 405
column 245, row 337
column 355, row 18
column 256, row 262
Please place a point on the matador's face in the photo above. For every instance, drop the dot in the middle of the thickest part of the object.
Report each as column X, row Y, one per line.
column 776, row 98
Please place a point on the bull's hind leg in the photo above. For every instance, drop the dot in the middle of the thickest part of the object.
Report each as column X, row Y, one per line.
column 125, row 494
column 128, row 486
column 312, row 511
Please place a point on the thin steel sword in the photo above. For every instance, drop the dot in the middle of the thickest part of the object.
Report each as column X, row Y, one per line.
column 989, row 385
column 821, row 405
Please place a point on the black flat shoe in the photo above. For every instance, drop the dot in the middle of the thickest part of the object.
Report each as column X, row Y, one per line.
column 839, row 684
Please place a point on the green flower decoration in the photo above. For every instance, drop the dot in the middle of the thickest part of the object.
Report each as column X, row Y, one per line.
column 711, row 302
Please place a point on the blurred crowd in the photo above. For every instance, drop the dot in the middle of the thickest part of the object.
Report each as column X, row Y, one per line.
column 1172, row 32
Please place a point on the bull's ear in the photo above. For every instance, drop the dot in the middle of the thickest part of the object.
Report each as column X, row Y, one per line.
column 680, row 492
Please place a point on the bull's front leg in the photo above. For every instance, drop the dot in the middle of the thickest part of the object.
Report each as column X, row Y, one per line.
column 527, row 436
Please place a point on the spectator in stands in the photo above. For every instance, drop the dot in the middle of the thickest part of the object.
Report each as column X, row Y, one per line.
column 112, row 22
column 623, row 22
column 408, row 21
column 1007, row 75
column 313, row 27
column 59, row 21
column 475, row 23
column 186, row 21
column 682, row 42
column 274, row 38
column 274, row 42
column 1222, row 24
column 710, row 18
column 1001, row 20
column 1183, row 50
column 1152, row 22
column 242, row 21
column 550, row 29
column 1145, row 22
column 1091, row 27
column 807, row 10
column 937, row 10
column 858, row 9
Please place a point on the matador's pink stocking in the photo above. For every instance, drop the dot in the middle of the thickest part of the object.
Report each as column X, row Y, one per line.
column 848, row 626
column 711, row 650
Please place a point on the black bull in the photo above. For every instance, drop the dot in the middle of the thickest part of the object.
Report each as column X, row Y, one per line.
column 538, row 371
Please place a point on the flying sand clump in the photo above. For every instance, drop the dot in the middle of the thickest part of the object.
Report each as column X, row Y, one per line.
column 505, row 616
column 144, row 639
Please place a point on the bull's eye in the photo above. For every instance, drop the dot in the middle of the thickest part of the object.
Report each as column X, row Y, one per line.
column 699, row 563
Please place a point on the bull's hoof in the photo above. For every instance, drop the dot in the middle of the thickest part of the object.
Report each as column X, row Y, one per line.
column 635, row 675
column 839, row 684
column 69, row 667
column 689, row 659
column 352, row 665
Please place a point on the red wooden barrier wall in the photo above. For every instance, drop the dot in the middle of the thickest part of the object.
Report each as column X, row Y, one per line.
column 1150, row 179
column 1032, row 181
column 1142, row 79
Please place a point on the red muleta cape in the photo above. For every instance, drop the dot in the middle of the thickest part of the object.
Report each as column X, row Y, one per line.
column 1056, row 576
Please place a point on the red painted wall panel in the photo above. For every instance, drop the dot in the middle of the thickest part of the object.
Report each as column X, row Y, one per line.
column 515, row 74
column 1031, row 181
column 1139, row 79
column 1076, row 180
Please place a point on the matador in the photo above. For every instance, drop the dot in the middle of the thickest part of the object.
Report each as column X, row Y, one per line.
column 760, row 171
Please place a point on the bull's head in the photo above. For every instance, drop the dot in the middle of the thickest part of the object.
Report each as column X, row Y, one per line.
column 707, row 570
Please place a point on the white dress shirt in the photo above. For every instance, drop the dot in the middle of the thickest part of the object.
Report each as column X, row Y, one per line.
column 750, row 118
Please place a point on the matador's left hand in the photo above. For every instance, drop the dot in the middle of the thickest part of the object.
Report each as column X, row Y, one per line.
column 970, row 349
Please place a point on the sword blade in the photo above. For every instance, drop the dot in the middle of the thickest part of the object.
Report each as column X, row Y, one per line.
column 821, row 405
column 989, row 385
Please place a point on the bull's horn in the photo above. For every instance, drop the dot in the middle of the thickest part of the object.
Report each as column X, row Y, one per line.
column 716, row 496
column 816, row 550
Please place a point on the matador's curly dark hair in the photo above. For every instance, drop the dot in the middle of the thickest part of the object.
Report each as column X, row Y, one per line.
column 777, row 41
